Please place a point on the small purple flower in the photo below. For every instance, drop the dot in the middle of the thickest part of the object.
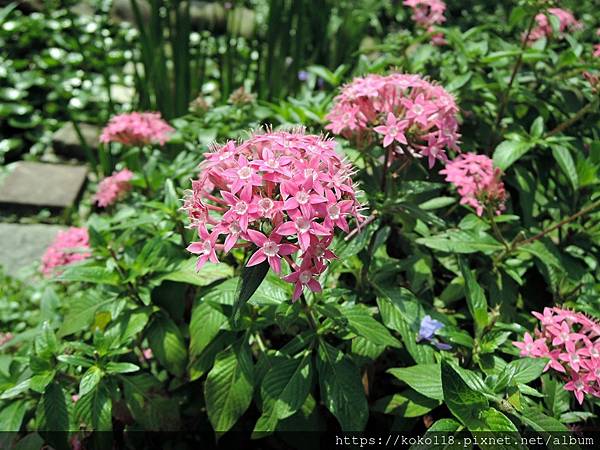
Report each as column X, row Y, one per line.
column 303, row 75
column 427, row 331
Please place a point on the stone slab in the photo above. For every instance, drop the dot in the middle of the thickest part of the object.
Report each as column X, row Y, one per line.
column 122, row 94
column 42, row 185
column 22, row 246
column 66, row 142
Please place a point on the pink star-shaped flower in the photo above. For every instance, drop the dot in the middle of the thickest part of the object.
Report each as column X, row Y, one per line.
column 393, row 130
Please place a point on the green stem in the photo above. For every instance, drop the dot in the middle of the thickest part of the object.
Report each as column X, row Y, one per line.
column 130, row 287
column 513, row 76
column 570, row 121
column 496, row 229
column 519, row 243
column 386, row 162
column 308, row 311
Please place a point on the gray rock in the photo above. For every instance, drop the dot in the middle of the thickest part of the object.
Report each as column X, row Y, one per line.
column 22, row 246
column 122, row 11
column 66, row 142
column 42, row 185
column 83, row 8
column 27, row 6
column 122, row 94
column 211, row 16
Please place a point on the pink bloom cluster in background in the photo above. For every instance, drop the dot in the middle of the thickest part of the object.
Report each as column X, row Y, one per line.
column 477, row 181
column 570, row 340
column 113, row 188
column 5, row 337
column 597, row 46
column 283, row 193
column 593, row 80
column 404, row 111
column 68, row 247
column 567, row 22
column 427, row 13
column 136, row 129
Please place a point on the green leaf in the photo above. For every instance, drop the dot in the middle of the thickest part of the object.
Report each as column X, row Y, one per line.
column 148, row 403
column 537, row 128
column 437, row 203
column 167, row 344
column 286, row 386
column 538, row 421
column 265, row 425
column 121, row 367
column 441, row 427
column 16, row 390
column 87, row 274
column 493, row 420
column 521, row 371
column 462, row 241
column 229, row 386
column 46, row 343
column 208, row 274
column 31, row 441
column 464, row 402
column 250, row 280
column 400, row 311
column 39, row 381
column 476, row 300
column 363, row 324
column 509, row 152
column 408, row 403
column 557, row 399
column 205, row 324
column 94, row 410
column 491, row 341
column 272, row 291
column 423, row 378
column 127, row 326
column 11, row 416
column 81, row 313
column 52, row 412
column 90, row 380
column 458, row 81
column 563, row 157
column 342, row 391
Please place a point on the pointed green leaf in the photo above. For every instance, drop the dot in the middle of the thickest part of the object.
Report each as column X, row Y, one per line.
column 249, row 282
column 423, row 378
column 286, row 386
column 167, row 345
column 229, row 386
column 342, row 391
column 509, row 152
column 476, row 300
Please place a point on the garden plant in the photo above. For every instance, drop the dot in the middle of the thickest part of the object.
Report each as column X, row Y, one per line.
column 313, row 220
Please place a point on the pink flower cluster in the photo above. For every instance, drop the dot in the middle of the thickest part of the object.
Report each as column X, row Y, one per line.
column 113, row 188
column 477, row 181
column 283, row 193
column 567, row 22
column 69, row 246
column 597, row 46
column 137, row 129
column 571, row 342
column 427, row 13
column 404, row 111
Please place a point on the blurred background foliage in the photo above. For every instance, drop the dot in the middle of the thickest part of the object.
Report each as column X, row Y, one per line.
column 218, row 69
column 85, row 60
